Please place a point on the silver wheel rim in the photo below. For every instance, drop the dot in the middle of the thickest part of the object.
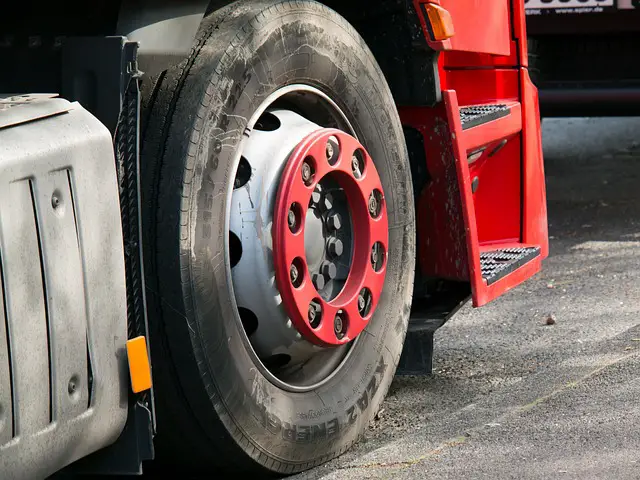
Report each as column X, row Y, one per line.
column 277, row 349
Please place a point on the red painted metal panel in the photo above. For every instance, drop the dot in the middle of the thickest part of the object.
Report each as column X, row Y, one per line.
column 442, row 247
column 497, row 198
column 534, row 198
column 471, row 59
column 452, row 108
column 481, row 26
column 520, row 31
column 480, row 86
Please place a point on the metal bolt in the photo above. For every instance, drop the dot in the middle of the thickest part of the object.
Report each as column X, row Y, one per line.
column 374, row 254
column 307, row 173
column 332, row 150
column 329, row 270
column 334, row 221
column 72, row 387
column 335, row 247
column 361, row 304
column 318, row 281
column 291, row 219
column 338, row 326
column 329, row 151
column 328, row 201
column 355, row 166
column 293, row 273
column 314, row 314
column 55, row 201
column 315, row 198
column 373, row 205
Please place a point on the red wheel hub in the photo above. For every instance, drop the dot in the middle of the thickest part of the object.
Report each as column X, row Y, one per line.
column 337, row 321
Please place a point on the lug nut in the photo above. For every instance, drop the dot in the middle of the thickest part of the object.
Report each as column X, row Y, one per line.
column 373, row 205
column 334, row 221
column 318, row 281
column 332, row 150
column 336, row 247
column 364, row 300
column 355, row 167
column 377, row 256
column 339, row 326
column 361, row 304
column 328, row 202
column 316, row 197
column 307, row 173
column 293, row 273
column 329, row 151
column 291, row 219
column 329, row 270
column 314, row 314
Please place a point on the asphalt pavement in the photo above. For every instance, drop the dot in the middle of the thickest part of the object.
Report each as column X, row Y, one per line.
column 543, row 382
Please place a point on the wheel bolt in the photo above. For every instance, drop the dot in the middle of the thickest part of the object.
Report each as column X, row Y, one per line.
column 329, row 270
column 339, row 326
column 307, row 173
column 329, row 151
column 334, row 221
column 314, row 314
column 293, row 273
column 332, row 150
column 377, row 256
column 328, row 201
column 373, row 205
column 291, row 219
column 318, row 281
column 315, row 198
column 374, row 254
column 335, row 247
column 364, row 302
column 355, row 166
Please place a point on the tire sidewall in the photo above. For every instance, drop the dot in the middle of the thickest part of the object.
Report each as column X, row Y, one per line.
column 311, row 45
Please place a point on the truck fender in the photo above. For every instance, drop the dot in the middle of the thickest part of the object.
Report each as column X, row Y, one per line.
column 164, row 29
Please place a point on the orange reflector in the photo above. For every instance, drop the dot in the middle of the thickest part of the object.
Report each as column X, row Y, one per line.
column 441, row 22
column 139, row 368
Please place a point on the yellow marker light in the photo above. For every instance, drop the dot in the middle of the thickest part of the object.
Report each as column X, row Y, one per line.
column 441, row 22
column 139, row 368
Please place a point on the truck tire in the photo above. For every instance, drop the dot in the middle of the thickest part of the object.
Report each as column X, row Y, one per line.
column 244, row 378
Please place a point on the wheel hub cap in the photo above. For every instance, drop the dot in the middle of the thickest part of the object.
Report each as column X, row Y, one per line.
column 330, row 232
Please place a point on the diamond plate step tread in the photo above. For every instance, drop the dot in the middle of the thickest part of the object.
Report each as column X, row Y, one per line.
column 475, row 115
column 496, row 264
